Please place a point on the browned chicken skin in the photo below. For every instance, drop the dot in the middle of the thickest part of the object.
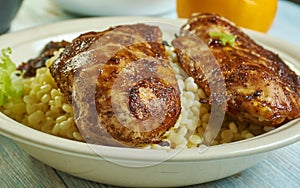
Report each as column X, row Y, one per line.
column 29, row 68
column 260, row 87
column 121, row 85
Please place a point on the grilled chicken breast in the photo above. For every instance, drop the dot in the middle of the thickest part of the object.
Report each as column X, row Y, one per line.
column 121, row 85
column 260, row 87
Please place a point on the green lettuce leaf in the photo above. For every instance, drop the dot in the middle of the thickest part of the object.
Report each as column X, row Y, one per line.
column 11, row 84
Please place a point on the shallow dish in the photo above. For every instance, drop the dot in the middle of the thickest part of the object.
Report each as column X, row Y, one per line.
column 117, row 7
column 139, row 167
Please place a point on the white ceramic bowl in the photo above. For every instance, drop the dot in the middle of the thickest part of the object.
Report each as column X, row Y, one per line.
column 117, row 7
column 138, row 167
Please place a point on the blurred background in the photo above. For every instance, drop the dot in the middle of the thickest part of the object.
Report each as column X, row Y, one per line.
column 277, row 18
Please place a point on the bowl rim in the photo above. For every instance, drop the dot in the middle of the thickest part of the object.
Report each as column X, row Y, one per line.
column 282, row 136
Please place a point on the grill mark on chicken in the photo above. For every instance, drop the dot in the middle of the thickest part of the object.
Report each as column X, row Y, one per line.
column 260, row 86
column 121, row 85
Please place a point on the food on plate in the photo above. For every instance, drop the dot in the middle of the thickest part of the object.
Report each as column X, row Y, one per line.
column 260, row 87
column 29, row 68
column 125, row 86
column 11, row 84
column 124, row 74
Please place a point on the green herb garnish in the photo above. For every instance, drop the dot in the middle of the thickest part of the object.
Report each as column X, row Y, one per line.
column 11, row 84
column 224, row 38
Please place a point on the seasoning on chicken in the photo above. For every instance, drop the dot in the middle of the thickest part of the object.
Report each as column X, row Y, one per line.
column 121, row 85
column 260, row 87
column 29, row 68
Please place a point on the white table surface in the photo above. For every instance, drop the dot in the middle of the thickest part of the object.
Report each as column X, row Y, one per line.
column 18, row 169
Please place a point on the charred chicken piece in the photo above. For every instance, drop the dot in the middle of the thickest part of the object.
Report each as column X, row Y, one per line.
column 120, row 84
column 29, row 68
column 261, row 88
